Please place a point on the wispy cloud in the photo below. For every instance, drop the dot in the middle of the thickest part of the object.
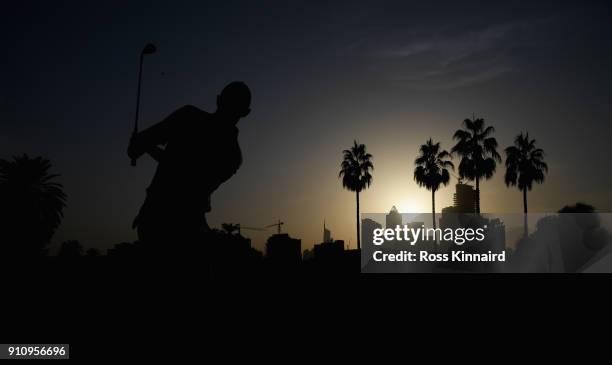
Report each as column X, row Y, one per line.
column 448, row 58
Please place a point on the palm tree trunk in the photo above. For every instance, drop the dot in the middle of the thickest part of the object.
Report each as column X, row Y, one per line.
column 433, row 207
column 433, row 217
column 358, row 224
column 525, row 211
column 477, row 196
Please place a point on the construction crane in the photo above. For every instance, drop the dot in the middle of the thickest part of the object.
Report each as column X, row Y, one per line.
column 277, row 225
column 250, row 228
column 230, row 228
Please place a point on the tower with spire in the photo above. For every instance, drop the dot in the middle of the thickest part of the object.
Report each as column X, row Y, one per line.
column 326, row 234
column 393, row 219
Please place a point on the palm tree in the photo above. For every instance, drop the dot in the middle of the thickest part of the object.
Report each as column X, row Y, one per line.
column 478, row 152
column 432, row 170
column 524, row 166
column 32, row 204
column 355, row 173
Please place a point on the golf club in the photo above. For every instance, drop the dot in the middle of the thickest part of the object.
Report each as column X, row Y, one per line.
column 148, row 49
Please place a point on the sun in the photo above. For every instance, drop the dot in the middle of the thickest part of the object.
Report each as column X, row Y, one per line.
column 411, row 206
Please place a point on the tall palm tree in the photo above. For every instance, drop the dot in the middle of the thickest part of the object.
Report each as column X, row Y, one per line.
column 32, row 204
column 478, row 152
column 432, row 170
column 524, row 166
column 355, row 173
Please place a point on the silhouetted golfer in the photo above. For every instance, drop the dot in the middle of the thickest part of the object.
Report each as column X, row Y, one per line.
column 201, row 152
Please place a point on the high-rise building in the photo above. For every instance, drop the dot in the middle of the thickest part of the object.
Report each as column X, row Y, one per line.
column 464, row 199
column 393, row 219
column 326, row 234
column 367, row 231
column 463, row 215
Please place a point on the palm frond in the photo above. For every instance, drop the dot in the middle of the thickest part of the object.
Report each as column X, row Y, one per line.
column 477, row 149
column 431, row 166
column 524, row 163
column 355, row 168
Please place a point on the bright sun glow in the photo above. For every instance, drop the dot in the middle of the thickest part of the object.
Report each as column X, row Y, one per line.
column 412, row 206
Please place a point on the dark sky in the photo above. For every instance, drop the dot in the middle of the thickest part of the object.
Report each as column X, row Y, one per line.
column 388, row 74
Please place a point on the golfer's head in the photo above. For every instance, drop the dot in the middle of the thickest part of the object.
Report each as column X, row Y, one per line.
column 234, row 101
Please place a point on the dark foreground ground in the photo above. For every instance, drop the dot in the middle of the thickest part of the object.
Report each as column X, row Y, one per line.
column 111, row 309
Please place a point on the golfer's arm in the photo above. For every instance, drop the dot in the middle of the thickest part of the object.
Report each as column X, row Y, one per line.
column 156, row 153
column 148, row 140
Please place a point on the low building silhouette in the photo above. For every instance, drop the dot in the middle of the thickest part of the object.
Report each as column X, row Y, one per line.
column 283, row 250
column 308, row 255
column 329, row 251
column 232, row 252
